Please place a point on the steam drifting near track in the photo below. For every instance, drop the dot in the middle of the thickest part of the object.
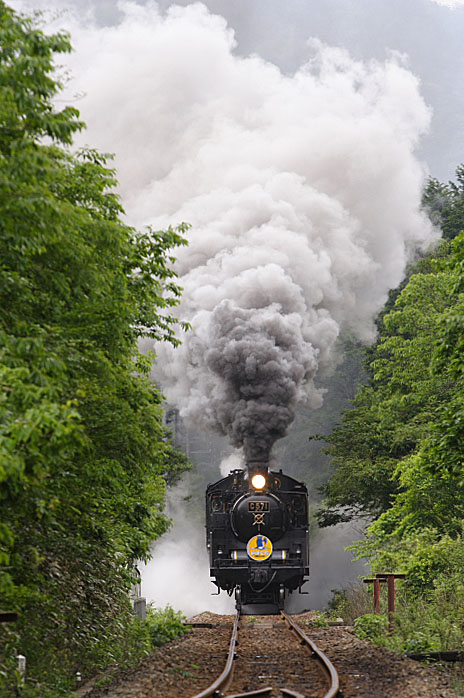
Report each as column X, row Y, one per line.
column 303, row 193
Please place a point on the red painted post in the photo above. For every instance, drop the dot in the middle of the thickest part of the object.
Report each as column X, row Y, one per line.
column 390, row 579
column 376, row 592
column 391, row 599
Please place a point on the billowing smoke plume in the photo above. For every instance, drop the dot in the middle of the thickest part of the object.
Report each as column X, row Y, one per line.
column 261, row 360
column 304, row 197
column 303, row 193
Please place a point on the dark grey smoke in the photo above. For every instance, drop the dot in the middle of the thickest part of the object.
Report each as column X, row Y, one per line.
column 262, row 362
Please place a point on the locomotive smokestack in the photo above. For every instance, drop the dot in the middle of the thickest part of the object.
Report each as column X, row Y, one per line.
column 257, row 466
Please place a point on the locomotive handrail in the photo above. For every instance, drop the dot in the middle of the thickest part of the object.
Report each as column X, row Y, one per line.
column 226, row 675
column 327, row 665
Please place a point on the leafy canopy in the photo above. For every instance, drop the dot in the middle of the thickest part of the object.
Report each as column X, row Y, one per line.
column 84, row 456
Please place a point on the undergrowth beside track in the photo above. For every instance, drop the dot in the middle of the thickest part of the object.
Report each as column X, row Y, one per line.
column 423, row 623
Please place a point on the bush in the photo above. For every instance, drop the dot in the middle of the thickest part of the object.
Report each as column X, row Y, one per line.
column 164, row 625
column 319, row 620
column 372, row 627
column 431, row 622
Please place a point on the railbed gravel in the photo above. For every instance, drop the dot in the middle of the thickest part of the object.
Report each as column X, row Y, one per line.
column 186, row 666
column 376, row 672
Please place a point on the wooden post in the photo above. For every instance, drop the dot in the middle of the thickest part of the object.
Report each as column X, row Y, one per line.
column 389, row 578
column 391, row 598
column 375, row 593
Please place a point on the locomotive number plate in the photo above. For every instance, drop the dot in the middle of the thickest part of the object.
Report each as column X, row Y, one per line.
column 258, row 506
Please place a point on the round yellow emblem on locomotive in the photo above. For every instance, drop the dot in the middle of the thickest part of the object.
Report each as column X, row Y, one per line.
column 259, row 548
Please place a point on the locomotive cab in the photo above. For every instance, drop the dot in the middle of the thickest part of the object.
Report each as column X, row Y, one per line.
column 257, row 536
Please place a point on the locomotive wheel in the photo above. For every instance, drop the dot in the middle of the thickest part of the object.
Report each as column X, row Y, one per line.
column 281, row 596
column 238, row 598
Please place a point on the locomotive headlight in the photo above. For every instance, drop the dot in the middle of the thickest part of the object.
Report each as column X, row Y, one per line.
column 258, row 481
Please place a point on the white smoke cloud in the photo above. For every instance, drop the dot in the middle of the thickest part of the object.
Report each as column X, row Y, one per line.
column 452, row 4
column 178, row 574
column 232, row 462
column 303, row 193
column 331, row 567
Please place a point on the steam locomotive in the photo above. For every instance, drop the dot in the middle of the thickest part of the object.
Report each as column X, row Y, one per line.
column 257, row 536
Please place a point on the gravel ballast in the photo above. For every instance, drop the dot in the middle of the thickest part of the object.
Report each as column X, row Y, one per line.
column 269, row 655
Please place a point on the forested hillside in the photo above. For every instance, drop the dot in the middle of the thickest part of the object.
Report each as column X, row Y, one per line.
column 84, row 457
column 398, row 454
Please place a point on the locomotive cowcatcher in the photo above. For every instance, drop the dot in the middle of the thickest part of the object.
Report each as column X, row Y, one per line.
column 257, row 536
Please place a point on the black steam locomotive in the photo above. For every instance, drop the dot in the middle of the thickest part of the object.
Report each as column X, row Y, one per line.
column 257, row 536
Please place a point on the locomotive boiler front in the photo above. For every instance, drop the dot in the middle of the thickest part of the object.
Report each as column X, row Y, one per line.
column 255, row 514
column 257, row 536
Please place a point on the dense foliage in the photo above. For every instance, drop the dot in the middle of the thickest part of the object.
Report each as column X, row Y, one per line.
column 164, row 625
column 394, row 411
column 84, row 457
column 399, row 452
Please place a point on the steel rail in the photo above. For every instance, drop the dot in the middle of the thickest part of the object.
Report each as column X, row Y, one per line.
column 325, row 662
column 258, row 693
column 215, row 689
column 218, row 687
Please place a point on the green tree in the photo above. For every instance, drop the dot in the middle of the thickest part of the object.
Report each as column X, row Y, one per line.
column 412, row 411
column 405, row 436
column 394, row 412
column 432, row 476
column 84, row 457
column 445, row 204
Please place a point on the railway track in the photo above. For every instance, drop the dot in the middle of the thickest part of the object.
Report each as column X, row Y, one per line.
column 271, row 660
column 256, row 656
